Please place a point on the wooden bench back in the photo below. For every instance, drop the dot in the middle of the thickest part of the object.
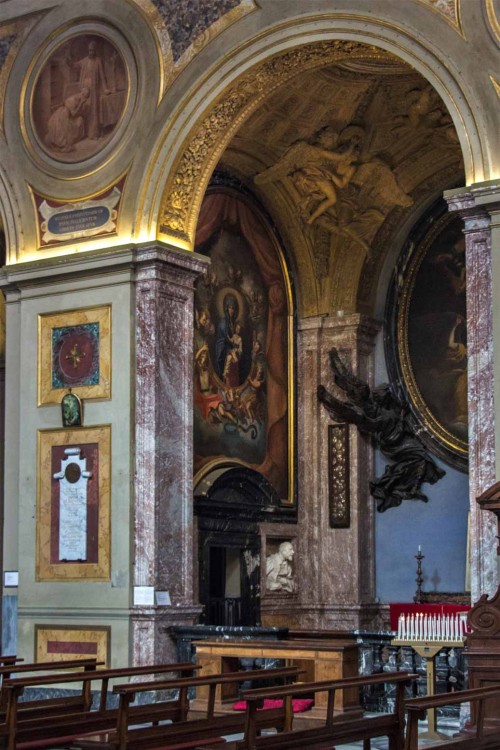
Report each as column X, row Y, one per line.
column 416, row 708
column 332, row 723
column 17, row 685
column 48, row 719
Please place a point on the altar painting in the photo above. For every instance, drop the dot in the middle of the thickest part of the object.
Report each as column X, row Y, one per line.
column 241, row 343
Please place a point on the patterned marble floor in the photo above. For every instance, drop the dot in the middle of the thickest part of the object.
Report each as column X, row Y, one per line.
column 447, row 727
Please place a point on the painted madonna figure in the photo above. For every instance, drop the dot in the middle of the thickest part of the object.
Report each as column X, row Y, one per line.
column 279, row 570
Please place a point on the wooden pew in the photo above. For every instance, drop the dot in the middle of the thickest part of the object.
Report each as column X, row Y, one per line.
column 482, row 739
column 42, row 732
column 7, row 669
column 336, row 729
column 52, row 716
column 194, row 732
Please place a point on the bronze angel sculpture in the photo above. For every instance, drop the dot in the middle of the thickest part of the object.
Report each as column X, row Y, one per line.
column 378, row 414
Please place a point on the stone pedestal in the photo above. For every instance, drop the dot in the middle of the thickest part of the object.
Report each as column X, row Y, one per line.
column 335, row 566
column 163, row 511
column 479, row 207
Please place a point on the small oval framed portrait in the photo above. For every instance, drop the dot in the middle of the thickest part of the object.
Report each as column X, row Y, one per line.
column 72, row 410
column 428, row 343
column 79, row 97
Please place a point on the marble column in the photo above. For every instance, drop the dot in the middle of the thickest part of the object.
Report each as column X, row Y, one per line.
column 336, row 566
column 479, row 207
column 163, row 511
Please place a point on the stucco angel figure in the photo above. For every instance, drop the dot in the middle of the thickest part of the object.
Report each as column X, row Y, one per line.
column 343, row 184
column 378, row 414
column 317, row 169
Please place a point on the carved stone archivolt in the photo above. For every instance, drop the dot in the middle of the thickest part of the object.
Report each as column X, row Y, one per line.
column 341, row 141
column 185, row 188
column 340, row 155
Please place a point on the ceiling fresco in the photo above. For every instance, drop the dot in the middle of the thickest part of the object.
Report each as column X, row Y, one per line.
column 341, row 156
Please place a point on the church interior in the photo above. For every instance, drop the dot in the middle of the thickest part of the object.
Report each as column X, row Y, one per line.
column 248, row 330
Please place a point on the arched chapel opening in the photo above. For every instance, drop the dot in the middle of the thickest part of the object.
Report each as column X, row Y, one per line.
column 248, row 280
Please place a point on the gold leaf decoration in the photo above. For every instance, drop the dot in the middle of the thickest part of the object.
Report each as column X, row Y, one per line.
column 496, row 85
column 447, row 9
column 493, row 19
column 185, row 188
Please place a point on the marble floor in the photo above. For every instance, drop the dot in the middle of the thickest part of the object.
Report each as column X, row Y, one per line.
column 446, row 727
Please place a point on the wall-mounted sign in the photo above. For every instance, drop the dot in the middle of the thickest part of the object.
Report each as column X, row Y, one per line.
column 63, row 221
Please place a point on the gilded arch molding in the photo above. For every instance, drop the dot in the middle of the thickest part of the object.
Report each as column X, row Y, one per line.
column 191, row 167
column 187, row 181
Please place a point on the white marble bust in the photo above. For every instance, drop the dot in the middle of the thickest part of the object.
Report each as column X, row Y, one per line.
column 279, row 570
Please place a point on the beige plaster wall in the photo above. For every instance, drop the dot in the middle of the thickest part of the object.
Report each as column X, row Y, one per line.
column 64, row 603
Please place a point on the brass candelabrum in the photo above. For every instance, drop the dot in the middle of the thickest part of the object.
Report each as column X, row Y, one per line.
column 419, row 579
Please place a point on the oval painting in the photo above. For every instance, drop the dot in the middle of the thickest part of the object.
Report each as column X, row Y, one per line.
column 432, row 335
column 79, row 98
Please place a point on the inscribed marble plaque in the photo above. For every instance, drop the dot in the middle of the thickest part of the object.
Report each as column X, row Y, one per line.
column 73, row 478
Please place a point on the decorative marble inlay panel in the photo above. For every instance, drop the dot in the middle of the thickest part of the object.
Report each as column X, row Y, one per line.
column 448, row 9
column 73, row 504
column 56, row 643
column 338, row 475
column 188, row 19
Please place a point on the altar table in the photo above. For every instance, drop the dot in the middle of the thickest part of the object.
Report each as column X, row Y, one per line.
column 321, row 660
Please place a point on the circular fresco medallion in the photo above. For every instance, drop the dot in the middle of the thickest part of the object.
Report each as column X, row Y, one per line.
column 79, row 98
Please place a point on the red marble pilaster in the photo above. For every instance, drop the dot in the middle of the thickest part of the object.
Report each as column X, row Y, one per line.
column 163, row 510
column 481, row 386
column 335, row 567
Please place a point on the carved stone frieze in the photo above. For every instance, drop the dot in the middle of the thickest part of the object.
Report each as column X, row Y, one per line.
column 184, row 190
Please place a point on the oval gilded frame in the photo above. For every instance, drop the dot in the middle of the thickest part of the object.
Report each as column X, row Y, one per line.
column 426, row 349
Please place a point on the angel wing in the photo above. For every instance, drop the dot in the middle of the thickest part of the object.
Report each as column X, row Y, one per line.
column 357, row 390
column 378, row 186
column 299, row 155
column 342, row 411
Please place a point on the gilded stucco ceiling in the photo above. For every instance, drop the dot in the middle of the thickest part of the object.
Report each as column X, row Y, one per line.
column 341, row 156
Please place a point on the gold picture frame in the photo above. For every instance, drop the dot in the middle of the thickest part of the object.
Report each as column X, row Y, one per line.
column 69, row 454
column 430, row 335
column 74, row 351
column 59, row 642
